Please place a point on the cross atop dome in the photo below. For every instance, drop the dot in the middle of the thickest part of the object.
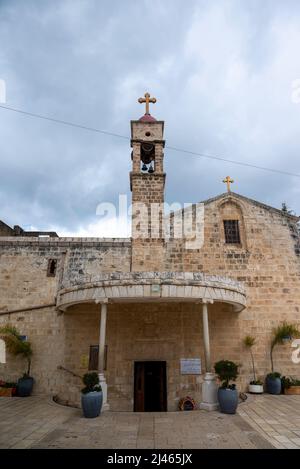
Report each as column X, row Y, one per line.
column 147, row 100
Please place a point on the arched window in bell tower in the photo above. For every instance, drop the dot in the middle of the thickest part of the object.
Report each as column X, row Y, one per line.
column 147, row 157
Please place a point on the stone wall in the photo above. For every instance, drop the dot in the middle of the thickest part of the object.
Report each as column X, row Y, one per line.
column 266, row 262
column 24, row 264
column 164, row 332
column 25, row 287
column 45, row 330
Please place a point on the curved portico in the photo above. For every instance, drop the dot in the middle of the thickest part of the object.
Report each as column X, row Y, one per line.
column 155, row 287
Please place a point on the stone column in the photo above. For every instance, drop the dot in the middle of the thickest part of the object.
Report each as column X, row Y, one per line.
column 102, row 338
column 209, row 386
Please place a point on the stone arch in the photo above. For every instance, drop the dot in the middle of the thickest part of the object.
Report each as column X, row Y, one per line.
column 231, row 209
column 2, row 351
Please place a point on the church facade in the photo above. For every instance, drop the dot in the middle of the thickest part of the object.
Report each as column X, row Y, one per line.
column 153, row 313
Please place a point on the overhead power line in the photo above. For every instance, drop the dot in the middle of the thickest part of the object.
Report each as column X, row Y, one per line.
column 240, row 163
column 180, row 150
column 59, row 121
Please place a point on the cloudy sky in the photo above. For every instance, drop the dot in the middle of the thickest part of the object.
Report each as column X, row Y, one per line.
column 222, row 72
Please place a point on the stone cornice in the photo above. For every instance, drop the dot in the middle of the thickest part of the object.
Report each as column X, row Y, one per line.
column 61, row 242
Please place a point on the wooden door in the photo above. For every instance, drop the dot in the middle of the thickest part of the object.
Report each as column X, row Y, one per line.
column 139, row 387
column 150, row 390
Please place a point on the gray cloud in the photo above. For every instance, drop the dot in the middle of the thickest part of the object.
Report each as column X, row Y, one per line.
column 222, row 73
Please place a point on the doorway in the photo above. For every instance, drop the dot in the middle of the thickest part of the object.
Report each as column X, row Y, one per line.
column 150, row 386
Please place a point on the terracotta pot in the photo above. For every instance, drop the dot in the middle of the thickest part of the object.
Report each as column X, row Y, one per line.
column 293, row 390
column 6, row 392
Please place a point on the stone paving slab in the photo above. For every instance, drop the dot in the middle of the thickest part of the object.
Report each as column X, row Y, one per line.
column 37, row 422
column 276, row 418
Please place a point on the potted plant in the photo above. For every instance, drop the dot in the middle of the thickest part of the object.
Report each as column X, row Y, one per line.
column 17, row 346
column 281, row 335
column 227, row 394
column 255, row 386
column 291, row 386
column 273, row 383
column 7, row 389
column 91, row 395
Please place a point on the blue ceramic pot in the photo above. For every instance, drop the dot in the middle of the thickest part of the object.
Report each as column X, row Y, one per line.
column 228, row 400
column 273, row 385
column 25, row 386
column 91, row 404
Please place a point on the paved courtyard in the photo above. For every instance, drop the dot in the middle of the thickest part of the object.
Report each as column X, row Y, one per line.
column 262, row 422
column 277, row 418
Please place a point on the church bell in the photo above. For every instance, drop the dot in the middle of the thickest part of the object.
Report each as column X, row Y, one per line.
column 151, row 170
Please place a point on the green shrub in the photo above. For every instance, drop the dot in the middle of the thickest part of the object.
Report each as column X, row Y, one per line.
column 248, row 342
column 273, row 375
column 288, row 381
column 91, row 381
column 16, row 346
column 281, row 333
column 226, row 371
column 8, row 385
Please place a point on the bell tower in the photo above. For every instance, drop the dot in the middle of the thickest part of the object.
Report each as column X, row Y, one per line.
column 147, row 182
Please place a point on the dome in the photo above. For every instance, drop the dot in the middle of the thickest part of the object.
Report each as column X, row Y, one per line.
column 147, row 118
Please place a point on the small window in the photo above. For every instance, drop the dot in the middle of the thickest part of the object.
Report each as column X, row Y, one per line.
column 93, row 360
column 52, row 266
column 232, row 232
column 94, row 357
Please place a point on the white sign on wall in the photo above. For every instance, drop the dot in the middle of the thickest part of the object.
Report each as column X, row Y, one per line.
column 190, row 366
column 2, row 351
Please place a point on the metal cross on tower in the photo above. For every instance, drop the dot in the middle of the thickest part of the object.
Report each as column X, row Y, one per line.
column 147, row 100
